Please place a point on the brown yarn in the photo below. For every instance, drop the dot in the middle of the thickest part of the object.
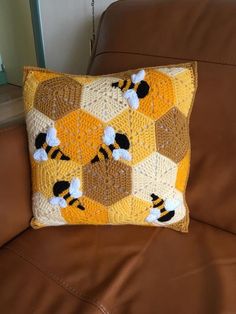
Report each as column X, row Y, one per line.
column 58, row 96
column 172, row 136
column 107, row 181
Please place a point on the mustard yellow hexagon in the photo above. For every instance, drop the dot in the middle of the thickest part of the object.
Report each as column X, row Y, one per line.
column 140, row 131
column 160, row 97
column 183, row 80
column 45, row 174
column 129, row 210
column 80, row 135
column 94, row 213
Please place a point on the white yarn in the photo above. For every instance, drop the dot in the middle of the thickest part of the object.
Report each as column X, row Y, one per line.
column 109, row 136
column 132, row 98
column 171, row 204
column 74, row 188
column 40, row 155
column 51, row 137
column 58, row 201
column 138, row 77
column 45, row 213
column 172, row 71
column 154, row 215
column 121, row 153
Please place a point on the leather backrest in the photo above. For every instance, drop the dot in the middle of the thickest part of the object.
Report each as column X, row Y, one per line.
column 137, row 33
column 15, row 194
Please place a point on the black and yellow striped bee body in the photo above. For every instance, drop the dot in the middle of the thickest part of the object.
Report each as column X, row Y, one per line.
column 159, row 204
column 141, row 88
column 53, row 152
column 61, row 189
column 105, row 151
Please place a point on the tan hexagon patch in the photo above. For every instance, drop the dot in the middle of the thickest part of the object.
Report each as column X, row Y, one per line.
column 172, row 135
column 107, row 181
column 57, row 96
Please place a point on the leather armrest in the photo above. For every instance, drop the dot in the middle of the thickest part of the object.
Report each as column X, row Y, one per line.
column 15, row 193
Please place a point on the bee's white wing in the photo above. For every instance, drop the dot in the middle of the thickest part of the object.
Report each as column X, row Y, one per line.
column 121, row 153
column 151, row 218
column 171, row 204
column 109, row 136
column 40, row 155
column 74, row 188
column 132, row 98
column 51, row 137
column 59, row 201
column 154, row 215
column 138, row 77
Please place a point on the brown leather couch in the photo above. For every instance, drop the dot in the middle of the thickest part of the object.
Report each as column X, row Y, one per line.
column 130, row 269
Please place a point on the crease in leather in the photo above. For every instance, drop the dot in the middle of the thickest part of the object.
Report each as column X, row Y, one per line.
column 211, row 225
column 93, row 55
column 195, row 21
column 160, row 56
column 228, row 262
column 148, row 243
column 117, row 280
column 63, row 284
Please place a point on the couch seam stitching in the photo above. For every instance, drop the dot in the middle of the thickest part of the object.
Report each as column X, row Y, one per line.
column 160, row 56
column 53, row 277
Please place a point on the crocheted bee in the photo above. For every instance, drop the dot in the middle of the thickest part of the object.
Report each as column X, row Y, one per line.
column 162, row 211
column 47, row 146
column 115, row 145
column 133, row 89
column 67, row 194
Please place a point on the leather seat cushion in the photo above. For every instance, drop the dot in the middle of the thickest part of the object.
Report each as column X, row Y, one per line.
column 119, row 270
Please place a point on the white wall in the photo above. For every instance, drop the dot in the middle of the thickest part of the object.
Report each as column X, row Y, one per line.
column 67, row 29
column 16, row 38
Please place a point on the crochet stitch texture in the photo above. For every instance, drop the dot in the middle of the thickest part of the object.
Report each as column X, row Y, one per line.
column 110, row 149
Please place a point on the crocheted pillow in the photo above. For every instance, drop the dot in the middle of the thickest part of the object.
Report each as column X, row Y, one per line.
column 110, row 149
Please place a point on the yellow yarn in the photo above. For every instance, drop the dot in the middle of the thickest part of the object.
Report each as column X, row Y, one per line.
column 129, row 210
column 30, row 87
column 161, row 96
column 182, row 174
column 184, row 89
column 44, row 175
column 98, row 154
column 94, row 214
column 80, row 135
column 42, row 76
column 140, row 129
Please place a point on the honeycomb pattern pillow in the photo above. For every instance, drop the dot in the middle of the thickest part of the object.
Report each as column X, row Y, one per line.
column 110, row 149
